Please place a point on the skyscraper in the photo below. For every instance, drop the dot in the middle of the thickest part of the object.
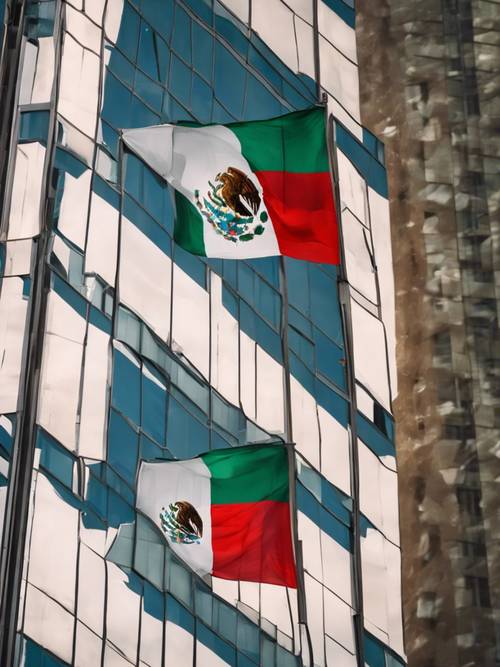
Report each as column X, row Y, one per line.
column 441, row 127
column 117, row 346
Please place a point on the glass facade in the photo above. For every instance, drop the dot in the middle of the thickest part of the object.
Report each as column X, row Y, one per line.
column 117, row 346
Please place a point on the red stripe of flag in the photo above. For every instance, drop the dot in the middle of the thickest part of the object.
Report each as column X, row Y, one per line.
column 302, row 210
column 253, row 542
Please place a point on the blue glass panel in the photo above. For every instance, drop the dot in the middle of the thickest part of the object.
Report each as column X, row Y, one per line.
column 268, row 302
column 333, row 527
column 221, row 115
column 128, row 37
column 119, row 65
column 230, row 272
column 117, row 103
column 330, row 358
column 5, row 437
column 36, row 656
column 55, row 459
column 134, row 178
column 297, row 277
column 325, row 303
column 149, row 450
column 203, row 603
column 109, row 139
column 296, row 100
column 97, row 495
column 193, row 266
column 181, row 38
column 268, row 652
column 216, row 644
column 300, row 322
column 70, row 296
column 344, row 10
column 332, row 402
column 34, row 126
column 301, row 373
column 119, row 511
column 230, row 301
column 248, row 638
column 203, row 48
column 336, row 501
column 126, row 390
column 147, row 225
column 186, row 436
column 154, row 602
column 230, row 76
column 156, row 199
column 176, row 112
column 179, row 615
column 115, row 482
column 370, row 141
column 163, row 56
column 122, row 447
column 148, row 91
column 202, row 9
column 372, row 437
column 40, row 19
column 219, row 441
column 269, row 267
column 146, row 57
column 262, row 66
column 284, row 658
column 260, row 102
column 370, row 168
column 180, row 80
column 243, row 661
column 100, row 187
column 308, row 504
column 302, row 347
column 140, row 115
column 68, row 162
column 374, row 652
column 201, row 100
column 154, row 408
column 225, row 620
column 231, row 28
column 159, row 14
column 257, row 329
column 179, row 580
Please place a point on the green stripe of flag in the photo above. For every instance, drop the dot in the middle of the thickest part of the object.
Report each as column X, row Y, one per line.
column 293, row 143
column 188, row 228
column 248, row 474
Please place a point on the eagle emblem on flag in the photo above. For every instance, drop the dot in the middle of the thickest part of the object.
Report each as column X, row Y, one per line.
column 231, row 206
column 182, row 523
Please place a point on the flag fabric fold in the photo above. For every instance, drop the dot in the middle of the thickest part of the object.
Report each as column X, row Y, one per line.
column 248, row 189
column 226, row 512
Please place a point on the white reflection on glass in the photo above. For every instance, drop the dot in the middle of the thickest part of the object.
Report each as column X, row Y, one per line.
column 13, row 308
column 24, row 220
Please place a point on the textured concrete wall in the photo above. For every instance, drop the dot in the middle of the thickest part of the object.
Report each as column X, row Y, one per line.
column 430, row 90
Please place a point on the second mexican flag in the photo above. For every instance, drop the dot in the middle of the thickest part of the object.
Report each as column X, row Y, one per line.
column 226, row 512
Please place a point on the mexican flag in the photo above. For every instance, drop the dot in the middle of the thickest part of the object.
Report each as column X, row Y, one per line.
column 225, row 513
column 249, row 189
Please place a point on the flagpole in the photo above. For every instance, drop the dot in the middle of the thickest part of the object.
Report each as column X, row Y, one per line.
column 292, row 468
column 345, row 305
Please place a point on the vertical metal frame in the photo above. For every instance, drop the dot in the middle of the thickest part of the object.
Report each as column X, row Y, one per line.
column 18, row 496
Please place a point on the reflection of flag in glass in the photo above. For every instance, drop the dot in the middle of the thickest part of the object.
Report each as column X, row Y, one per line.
column 248, row 189
column 225, row 513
